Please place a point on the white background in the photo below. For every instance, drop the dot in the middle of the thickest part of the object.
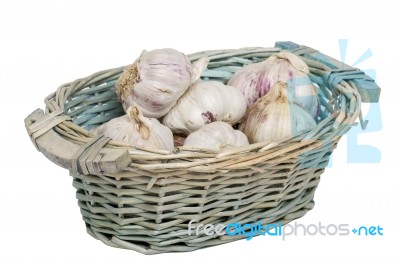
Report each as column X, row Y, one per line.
column 46, row 43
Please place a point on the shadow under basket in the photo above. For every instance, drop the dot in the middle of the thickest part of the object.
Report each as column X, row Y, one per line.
column 143, row 199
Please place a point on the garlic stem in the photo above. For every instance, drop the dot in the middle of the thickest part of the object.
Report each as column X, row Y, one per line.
column 134, row 115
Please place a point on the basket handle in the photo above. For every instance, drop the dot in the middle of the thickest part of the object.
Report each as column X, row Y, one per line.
column 91, row 158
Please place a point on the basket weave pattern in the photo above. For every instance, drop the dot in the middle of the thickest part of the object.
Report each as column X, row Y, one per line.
column 147, row 206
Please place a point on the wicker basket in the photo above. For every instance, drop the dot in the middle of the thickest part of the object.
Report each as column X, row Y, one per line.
column 143, row 199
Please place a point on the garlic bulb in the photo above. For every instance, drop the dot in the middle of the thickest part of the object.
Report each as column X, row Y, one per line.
column 203, row 103
column 156, row 80
column 255, row 80
column 137, row 130
column 216, row 136
column 274, row 117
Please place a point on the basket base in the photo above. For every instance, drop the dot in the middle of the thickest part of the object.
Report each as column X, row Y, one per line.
column 292, row 210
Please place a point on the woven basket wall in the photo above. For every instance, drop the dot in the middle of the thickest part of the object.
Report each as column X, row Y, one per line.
column 143, row 199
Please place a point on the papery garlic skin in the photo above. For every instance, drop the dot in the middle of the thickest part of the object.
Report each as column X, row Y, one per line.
column 156, row 80
column 216, row 136
column 203, row 103
column 257, row 79
column 137, row 130
column 274, row 117
column 179, row 140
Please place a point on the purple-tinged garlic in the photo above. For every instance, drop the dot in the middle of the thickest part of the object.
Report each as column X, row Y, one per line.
column 156, row 80
column 274, row 117
column 255, row 80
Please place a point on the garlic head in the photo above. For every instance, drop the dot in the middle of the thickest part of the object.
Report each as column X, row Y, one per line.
column 274, row 117
column 203, row 103
column 156, row 80
column 216, row 136
column 137, row 130
column 257, row 79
